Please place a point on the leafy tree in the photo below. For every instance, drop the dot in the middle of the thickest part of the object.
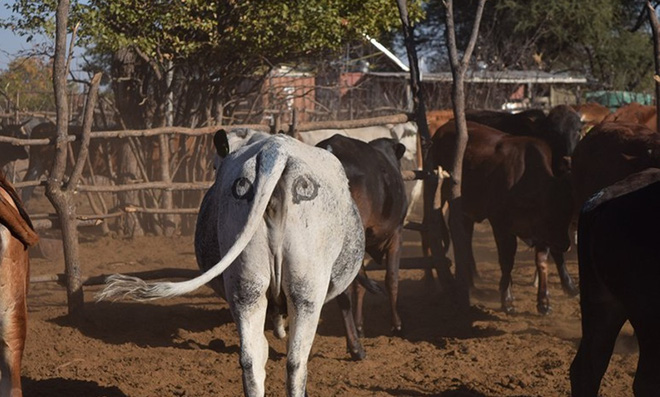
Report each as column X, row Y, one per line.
column 30, row 82
column 209, row 48
column 607, row 40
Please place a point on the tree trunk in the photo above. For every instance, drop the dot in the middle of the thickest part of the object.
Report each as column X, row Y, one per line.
column 460, row 241
column 128, row 172
column 58, row 192
column 419, row 106
column 128, row 100
column 168, row 221
column 655, row 28
column 456, row 227
column 432, row 235
column 63, row 201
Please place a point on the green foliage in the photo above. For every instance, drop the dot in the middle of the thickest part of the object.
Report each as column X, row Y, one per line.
column 598, row 37
column 271, row 30
column 608, row 41
column 31, row 18
column 212, row 46
column 31, row 79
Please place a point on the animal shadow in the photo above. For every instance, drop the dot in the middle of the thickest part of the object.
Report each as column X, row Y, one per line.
column 59, row 387
column 147, row 324
column 426, row 316
column 458, row 391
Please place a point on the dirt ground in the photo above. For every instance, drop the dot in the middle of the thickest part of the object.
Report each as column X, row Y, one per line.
column 189, row 346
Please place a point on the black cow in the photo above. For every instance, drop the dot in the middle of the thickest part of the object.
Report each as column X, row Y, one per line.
column 103, row 155
column 508, row 180
column 8, row 151
column 378, row 190
column 619, row 261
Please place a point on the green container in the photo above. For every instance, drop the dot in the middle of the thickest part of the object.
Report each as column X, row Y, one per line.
column 616, row 99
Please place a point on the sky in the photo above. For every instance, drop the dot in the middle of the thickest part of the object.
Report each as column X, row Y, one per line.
column 12, row 44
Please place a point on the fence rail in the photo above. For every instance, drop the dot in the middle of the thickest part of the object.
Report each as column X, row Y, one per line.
column 148, row 187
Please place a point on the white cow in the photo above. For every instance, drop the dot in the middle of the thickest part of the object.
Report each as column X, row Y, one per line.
column 404, row 133
column 288, row 232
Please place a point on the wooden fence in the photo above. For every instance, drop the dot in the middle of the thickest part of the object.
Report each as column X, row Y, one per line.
column 200, row 186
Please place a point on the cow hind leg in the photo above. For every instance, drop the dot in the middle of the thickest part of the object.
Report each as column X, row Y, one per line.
column 647, row 382
column 353, row 344
column 601, row 323
column 542, row 297
column 11, row 354
column 392, row 279
column 506, row 252
column 358, row 296
column 249, row 311
column 567, row 283
column 468, row 226
column 304, row 314
column 5, row 371
column 277, row 317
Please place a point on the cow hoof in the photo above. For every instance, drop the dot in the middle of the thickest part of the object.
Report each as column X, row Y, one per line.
column 509, row 309
column 571, row 290
column 360, row 332
column 358, row 355
column 544, row 309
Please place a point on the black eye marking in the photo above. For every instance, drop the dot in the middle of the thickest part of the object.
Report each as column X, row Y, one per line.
column 242, row 189
column 304, row 189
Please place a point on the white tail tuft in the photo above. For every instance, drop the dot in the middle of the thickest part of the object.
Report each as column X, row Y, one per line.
column 119, row 286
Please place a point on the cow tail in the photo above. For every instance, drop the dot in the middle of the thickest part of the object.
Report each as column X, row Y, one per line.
column 271, row 165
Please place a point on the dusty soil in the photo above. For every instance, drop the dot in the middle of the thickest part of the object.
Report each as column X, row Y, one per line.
column 189, row 346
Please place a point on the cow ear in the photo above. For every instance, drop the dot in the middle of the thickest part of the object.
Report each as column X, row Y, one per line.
column 399, row 150
column 221, row 143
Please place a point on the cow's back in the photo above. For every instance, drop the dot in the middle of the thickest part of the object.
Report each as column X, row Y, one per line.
column 591, row 114
column 376, row 186
column 509, row 178
column 494, row 162
column 609, row 153
column 311, row 199
column 635, row 113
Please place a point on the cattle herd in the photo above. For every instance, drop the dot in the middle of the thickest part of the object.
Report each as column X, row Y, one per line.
column 286, row 224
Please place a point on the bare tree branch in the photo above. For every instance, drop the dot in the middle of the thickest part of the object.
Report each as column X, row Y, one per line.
column 86, row 130
column 71, row 43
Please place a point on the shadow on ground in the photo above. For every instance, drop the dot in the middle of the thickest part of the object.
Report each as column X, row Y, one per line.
column 59, row 387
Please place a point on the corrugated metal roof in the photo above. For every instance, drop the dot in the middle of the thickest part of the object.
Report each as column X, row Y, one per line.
column 502, row 77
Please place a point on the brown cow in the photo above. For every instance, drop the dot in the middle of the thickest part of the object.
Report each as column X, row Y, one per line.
column 609, row 153
column 509, row 181
column 437, row 118
column 635, row 113
column 376, row 185
column 591, row 114
column 16, row 234
column 560, row 129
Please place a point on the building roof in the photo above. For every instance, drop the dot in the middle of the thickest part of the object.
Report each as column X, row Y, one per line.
column 501, row 77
